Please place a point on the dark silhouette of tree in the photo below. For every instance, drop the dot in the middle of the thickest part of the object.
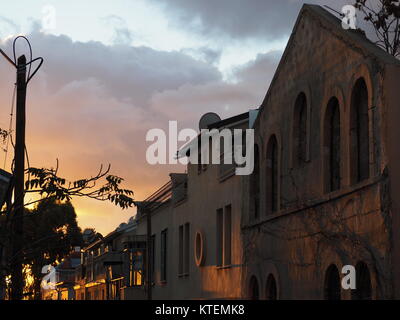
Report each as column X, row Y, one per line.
column 384, row 16
column 90, row 235
column 46, row 185
column 50, row 234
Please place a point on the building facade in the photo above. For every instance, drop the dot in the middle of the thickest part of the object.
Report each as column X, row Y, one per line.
column 322, row 194
column 196, row 227
column 323, row 198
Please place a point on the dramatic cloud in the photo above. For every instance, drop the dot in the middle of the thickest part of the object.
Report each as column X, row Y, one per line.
column 266, row 19
column 227, row 99
column 93, row 104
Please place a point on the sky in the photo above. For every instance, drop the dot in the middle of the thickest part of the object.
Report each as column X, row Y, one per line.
column 115, row 69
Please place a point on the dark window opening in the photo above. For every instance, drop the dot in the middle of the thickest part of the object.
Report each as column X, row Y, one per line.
column 272, row 292
column 187, row 249
column 300, row 129
column 332, row 283
column 363, row 289
column 254, row 291
column 359, row 133
column 228, row 235
column 153, row 257
column 272, row 175
column 332, row 146
column 220, row 239
column 184, row 249
column 163, row 265
column 180, row 248
column 255, row 184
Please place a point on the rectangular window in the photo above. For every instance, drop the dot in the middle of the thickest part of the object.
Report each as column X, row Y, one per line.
column 219, row 237
column 163, row 270
column 199, row 166
column 153, row 257
column 136, row 268
column 184, row 249
column 187, row 247
column 224, row 237
column 227, row 235
column 180, row 265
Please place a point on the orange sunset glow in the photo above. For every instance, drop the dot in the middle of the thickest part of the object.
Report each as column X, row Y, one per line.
column 86, row 108
column 78, row 119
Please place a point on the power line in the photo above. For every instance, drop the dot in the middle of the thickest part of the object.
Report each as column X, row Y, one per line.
column 29, row 77
column 10, row 126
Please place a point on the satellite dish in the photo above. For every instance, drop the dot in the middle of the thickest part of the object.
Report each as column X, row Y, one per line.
column 208, row 119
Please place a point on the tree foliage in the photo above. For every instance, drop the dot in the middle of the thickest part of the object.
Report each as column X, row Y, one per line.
column 50, row 233
column 90, row 235
column 384, row 16
column 50, row 230
column 48, row 184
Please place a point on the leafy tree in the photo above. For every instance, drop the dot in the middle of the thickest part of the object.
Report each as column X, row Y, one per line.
column 90, row 235
column 50, row 233
column 384, row 16
column 47, row 185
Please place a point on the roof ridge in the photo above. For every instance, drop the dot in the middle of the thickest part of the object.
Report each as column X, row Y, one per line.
column 318, row 12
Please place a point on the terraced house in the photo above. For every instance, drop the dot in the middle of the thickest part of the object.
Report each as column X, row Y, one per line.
column 322, row 194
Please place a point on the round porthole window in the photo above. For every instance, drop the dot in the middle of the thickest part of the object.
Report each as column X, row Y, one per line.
column 199, row 247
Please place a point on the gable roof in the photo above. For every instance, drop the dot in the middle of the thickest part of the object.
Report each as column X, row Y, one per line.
column 356, row 37
column 357, row 40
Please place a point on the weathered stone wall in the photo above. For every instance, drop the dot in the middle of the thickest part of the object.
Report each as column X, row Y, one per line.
column 314, row 228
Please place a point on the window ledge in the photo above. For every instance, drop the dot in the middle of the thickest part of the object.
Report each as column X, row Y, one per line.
column 183, row 275
column 228, row 266
column 345, row 191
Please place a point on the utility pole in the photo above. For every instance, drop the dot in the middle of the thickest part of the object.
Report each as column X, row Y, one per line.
column 19, row 172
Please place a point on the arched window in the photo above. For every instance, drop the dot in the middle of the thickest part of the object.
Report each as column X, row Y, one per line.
column 272, row 175
column 359, row 133
column 271, row 289
column 253, row 289
column 255, row 184
column 300, row 130
column 332, row 146
column 363, row 289
column 332, row 283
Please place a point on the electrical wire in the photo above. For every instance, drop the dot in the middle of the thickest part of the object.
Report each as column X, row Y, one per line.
column 30, row 51
column 10, row 126
column 29, row 77
column 31, row 60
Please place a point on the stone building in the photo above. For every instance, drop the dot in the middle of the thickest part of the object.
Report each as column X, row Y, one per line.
column 322, row 194
column 320, row 197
